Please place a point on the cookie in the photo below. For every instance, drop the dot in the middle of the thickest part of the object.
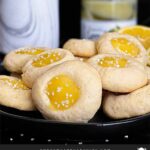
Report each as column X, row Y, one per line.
column 119, row 73
column 42, row 63
column 14, row 93
column 115, row 43
column 142, row 33
column 81, row 47
column 69, row 92
column 16, row 59
column 126, row 106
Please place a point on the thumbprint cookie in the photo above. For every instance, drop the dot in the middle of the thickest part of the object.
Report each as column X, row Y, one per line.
column 115, row 43
column 42, row 63
column 119, row 73
column 14, row 93
column 119, row 106
column 69, row 92
column 16, row 59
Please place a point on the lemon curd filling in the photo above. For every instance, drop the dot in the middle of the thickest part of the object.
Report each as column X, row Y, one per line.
column 125, row 46
column 63, row 92
column 33, row 51
column 46, row 59
column 112, row 62
column 15, row 83
column 138, row 32
column 143, row 34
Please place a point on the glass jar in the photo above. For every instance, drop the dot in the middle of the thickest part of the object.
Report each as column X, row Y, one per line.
column 99, row 16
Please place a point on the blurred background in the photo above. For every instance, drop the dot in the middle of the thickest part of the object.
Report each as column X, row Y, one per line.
column 51, row 22
column 70, row 17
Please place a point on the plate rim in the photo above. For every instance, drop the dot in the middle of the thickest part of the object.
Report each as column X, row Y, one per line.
column 111, row 123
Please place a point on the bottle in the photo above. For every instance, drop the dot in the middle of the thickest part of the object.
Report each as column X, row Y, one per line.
column 100, row 16
column 28, row 23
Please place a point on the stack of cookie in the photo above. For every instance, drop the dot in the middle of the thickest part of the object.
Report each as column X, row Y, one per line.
column 122, row 62
column 53, row 81
column 66, row 84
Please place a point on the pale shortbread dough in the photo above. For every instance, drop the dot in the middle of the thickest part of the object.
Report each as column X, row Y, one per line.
column 89, row 82
column 148, row 53
column 31, row 73
column 126, row 106
column 14, row 62
column 16, row 98
column 81, row 47
column 104, row 46
column 121, row 80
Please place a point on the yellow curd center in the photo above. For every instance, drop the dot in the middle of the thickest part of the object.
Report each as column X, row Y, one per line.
column 138, row 32
column 143, row 34
column 15, row 83
column 33, row 51
column 113, row 62
column 125, row 46
column 62, row 92
column 47, row 59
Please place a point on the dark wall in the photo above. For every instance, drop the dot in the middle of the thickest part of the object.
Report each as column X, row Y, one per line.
column 144, row 12
column 70, row 17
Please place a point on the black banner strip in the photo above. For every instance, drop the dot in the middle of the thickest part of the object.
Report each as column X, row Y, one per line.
column 75, row 147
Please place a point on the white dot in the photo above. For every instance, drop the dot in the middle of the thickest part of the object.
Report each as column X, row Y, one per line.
column 49, row 140
column 11, row 139
column 21, row 134
column 80, row 143
column 106, row 140
column 141, row 148
column 126, row 136
column 32, row 139
column 59, row 89
column 67, row 95
column 53, row 93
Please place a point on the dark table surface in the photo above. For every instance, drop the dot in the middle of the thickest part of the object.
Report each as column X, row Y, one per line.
column 9, row 136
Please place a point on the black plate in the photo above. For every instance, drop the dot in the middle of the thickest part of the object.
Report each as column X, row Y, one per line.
column 99, row 126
